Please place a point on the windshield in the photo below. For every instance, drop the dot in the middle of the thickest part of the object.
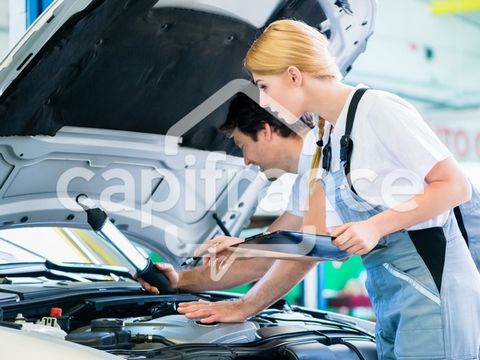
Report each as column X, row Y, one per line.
column 11, row 253
column 59, row 245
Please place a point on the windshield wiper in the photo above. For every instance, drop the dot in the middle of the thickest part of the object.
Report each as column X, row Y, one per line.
column 34, row 270
column 60, row 271
column 79, row 268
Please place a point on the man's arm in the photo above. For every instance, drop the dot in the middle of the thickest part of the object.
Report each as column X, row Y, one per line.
column 241, row 271
column 286, row 221
column 283, row 276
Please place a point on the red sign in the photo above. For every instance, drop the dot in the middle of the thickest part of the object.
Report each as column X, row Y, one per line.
column 463, row 143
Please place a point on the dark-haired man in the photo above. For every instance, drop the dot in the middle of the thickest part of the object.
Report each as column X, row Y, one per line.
column 264, row 140
column 268, row 143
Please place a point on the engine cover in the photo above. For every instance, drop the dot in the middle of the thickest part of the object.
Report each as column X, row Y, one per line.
column 179, row 329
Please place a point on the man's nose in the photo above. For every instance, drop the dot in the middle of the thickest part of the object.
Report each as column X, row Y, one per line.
column 247, row 161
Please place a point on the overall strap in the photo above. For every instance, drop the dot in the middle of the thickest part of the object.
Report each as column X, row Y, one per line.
column 346, row 143
column 326, row 151
column 458, row 216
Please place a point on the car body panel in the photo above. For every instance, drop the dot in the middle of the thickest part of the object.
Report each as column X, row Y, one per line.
column 40, row 347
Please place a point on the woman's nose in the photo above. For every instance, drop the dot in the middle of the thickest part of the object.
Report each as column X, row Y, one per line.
column 263, row 99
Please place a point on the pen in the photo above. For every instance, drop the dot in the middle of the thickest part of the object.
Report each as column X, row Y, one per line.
column 225, row 231
column 191, row 259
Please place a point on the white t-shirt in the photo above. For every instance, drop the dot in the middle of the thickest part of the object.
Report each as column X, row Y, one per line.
column 298, row 201
column 393, row 151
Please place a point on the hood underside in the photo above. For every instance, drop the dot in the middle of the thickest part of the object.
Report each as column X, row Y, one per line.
column 130, row 67
column 142, row 66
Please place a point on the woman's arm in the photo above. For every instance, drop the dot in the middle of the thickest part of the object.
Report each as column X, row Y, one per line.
column 446, row 188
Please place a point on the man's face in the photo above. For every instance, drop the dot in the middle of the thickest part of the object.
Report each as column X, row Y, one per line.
column 265, row 152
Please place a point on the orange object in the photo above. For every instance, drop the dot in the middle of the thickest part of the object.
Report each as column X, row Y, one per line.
column 55, row 312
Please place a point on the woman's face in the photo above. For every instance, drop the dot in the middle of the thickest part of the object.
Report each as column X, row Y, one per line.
column 281, row 93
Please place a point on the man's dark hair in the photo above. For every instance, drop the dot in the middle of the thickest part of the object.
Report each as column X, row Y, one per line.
column 248, row 117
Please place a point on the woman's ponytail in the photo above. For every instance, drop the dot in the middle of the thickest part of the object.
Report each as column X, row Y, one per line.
column 317, row 155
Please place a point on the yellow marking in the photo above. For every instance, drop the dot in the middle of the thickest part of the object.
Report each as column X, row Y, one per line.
column 444, row 7
column 104, row 256
column 72, row 244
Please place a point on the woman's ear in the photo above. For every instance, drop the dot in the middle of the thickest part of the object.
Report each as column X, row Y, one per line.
column 295, row 75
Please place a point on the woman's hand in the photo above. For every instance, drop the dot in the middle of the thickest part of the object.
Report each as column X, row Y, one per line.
column 237, row 310
column 357, row 238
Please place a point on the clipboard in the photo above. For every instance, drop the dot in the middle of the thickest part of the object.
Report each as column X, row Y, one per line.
column 291, row 245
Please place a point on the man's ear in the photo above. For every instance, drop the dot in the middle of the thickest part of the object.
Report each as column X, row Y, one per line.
column 295, row 75
column 267, row 131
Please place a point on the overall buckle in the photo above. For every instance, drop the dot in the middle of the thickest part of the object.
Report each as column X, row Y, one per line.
column 346, row 146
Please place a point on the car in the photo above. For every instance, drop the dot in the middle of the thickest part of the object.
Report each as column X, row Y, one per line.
column 121, row 100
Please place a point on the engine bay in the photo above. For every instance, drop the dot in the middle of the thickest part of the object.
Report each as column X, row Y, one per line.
column 133, row 325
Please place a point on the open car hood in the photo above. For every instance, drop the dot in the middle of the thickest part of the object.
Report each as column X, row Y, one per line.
column 90, row 94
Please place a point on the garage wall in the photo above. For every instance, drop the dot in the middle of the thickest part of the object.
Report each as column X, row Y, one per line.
column 432, row 60
column 423, row 56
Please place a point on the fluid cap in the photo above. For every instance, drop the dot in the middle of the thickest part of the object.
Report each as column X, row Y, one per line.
column 55, row 312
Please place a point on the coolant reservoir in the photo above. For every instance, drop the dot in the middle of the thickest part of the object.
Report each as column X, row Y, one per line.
column 51, row 329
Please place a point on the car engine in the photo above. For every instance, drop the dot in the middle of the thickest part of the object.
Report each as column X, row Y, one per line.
column 172, row 329
column 127, row 323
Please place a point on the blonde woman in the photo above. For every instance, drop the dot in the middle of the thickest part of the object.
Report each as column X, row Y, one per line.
column 423, row 284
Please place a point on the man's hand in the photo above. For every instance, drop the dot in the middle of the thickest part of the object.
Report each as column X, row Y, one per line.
column 357, row 238
column 221, row 311
column 218, row 245
column 167, row 269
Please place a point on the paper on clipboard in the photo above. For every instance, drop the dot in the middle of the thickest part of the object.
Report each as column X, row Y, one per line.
column 291, row 245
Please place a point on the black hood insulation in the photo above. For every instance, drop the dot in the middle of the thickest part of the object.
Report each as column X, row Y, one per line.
column 121, row 64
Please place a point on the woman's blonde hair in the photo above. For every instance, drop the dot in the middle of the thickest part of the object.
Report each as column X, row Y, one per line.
column 317, row 155
column 287, row 43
